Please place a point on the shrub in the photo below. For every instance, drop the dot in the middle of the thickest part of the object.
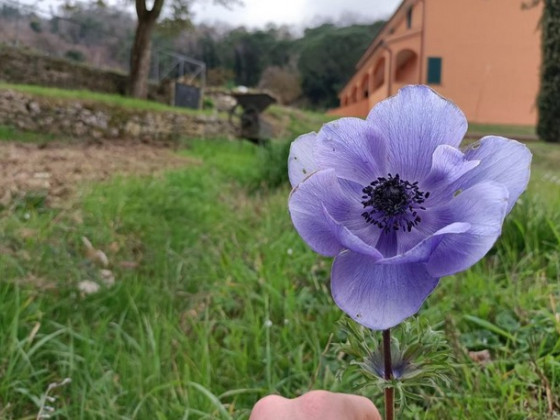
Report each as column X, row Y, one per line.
column 75, row 55
column 548, row 127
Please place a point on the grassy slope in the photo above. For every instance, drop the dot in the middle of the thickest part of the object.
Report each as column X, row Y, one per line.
column 84, row 95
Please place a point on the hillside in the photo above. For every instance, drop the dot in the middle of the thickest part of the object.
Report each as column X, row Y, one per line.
column 303, row 70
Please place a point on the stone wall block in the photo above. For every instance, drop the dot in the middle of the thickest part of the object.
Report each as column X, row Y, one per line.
column 87, row 119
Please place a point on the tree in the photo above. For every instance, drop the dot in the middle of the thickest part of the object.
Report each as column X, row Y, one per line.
column 141, row 48
column 328, row 55
column 283, row 82
column 248, row 52
column 548, row 101
column 103, row 33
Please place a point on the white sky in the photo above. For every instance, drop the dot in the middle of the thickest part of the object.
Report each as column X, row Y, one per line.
column 257, row 13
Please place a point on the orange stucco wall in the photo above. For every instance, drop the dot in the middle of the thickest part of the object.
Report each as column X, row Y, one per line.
column 490, row 51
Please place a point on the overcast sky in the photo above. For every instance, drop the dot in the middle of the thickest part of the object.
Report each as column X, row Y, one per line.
column 257, row 13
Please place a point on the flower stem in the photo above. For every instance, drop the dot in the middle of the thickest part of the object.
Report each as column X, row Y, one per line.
column 388, row 374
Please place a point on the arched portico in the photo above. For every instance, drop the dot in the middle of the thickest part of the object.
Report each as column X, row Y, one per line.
column 364, row 86
column 379, row 74
column 406, row 67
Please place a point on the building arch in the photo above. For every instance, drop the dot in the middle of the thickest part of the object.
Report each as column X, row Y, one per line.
column 379, row 74
column 354, row 95
column 406, row 65
column 364, row 89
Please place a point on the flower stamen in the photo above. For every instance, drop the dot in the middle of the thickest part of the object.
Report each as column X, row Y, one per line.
column 394, row 203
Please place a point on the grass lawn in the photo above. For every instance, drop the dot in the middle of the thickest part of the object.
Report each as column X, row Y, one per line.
column 12, row 133
column 217, row 301
column 502, row 130
column 86, row 95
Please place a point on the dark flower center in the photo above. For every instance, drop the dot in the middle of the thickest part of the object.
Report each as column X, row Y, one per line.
column 393, row 203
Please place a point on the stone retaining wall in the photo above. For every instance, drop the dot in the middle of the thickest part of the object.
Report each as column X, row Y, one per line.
column 84, row 119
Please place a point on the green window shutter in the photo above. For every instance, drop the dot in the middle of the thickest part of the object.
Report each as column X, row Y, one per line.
column 434, row 70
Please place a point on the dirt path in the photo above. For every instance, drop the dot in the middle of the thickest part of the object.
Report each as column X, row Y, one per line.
column 56, row 169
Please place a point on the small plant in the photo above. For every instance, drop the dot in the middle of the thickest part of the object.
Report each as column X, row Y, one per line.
column 208, row 103
column 421, row 358
column 398, row 205
column 46, row 409
column 271, row 171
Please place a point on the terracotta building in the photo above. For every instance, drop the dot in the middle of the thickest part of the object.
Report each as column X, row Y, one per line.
column 482, row 54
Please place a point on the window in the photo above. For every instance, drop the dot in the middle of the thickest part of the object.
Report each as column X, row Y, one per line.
column 434, row 70
column 409, row 18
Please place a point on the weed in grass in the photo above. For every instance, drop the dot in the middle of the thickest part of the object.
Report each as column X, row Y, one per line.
column 46, row 403
column 11, row 134
column 271, row 166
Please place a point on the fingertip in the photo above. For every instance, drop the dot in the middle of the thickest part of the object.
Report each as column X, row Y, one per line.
column 313, row 404
column 267, row 406
column 362, row 405
column 319, row 404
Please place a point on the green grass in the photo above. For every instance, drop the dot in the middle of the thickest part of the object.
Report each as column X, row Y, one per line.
column 218, row 302
column 502, row 130
column 12, row 134
column 106, row 98
column 298, row 121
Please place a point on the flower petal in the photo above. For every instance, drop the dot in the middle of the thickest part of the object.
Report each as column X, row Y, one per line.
column 483, row 206
column 348, row 239
column 306, row 209
column 323, row 213
column 301, row 162
column 353, row 148
column 414, row 122
column 379, row 296
column 424, row 249
column 502, row 160
column 350, row 215
column 448, row 165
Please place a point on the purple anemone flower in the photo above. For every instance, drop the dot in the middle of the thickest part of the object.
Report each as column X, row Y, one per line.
column 397, row 204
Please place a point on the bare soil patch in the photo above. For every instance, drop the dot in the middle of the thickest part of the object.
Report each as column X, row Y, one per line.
column 56, row 169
